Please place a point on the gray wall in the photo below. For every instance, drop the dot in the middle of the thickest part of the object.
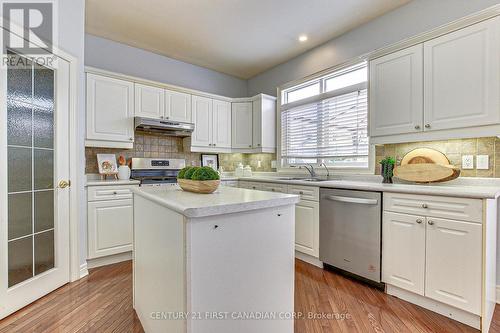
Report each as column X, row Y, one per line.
column 416, row 17
column 71, row 40
column 106, row 54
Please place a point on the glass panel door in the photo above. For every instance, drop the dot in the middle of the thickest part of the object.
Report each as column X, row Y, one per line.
column 30, row 171
column 34, row 159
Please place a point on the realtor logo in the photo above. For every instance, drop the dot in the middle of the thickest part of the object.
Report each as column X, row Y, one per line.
column 29, row 27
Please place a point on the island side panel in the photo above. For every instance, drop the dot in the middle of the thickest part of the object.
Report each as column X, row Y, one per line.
column 242, row 264
column 159, row 266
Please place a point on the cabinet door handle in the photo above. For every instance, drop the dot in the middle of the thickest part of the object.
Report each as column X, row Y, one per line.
column 419, row 221
column 417, row 127
column 427, row 125
column 430, row 222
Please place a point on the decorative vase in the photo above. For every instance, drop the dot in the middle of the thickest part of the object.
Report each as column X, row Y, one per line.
column 387, row 172
column 199, row 186
column 123, row 172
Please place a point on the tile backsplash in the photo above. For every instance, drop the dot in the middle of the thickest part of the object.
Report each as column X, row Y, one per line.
column 146, row 145
column 453, row 149
column 151, row 145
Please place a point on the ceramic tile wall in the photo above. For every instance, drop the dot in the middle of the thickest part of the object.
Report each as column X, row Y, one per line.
column 146, row 145
column 453, row 149
column 230, row 161
column 151, row 145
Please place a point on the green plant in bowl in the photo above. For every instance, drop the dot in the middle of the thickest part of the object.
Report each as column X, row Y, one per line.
column 182, row 173
column 205, row 173
column 189, row 173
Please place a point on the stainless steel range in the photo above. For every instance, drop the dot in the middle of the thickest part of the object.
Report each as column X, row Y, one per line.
column 156, row 171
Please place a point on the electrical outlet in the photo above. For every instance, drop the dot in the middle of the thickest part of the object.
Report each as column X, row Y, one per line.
column 482, row 162
column 467, row 161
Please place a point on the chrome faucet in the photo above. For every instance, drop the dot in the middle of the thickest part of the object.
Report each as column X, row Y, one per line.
column 310, row 169
column 327, row 171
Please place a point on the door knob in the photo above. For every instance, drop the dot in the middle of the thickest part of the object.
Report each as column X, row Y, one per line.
column 64, row 184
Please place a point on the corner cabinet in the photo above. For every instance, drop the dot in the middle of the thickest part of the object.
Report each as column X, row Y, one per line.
column 447, row 87
column 264, row 123
column 440, row 253
column 242, row 125
column 212, row 130
column 110, row 112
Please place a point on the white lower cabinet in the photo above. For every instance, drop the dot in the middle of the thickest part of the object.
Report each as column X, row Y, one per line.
column 403, row 251
column 306, row 213
column 307, row 227
column 446, row 264
column 110, row 223
column 453, row 263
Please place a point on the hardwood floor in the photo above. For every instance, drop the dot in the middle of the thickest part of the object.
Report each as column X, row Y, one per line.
column 102, row 302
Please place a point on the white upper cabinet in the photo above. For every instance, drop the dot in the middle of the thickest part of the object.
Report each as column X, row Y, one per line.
column 396, row 92
column 149, row 101
column 242, row 125
column 221, row 124
column 264, row 123
column 110, row 112
column 202, row 119
column 461, row 77
column 177, row 106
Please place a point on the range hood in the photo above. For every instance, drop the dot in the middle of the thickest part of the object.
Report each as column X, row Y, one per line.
column 165, row 127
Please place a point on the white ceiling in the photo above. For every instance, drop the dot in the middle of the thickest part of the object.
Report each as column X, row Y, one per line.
column 238, row 37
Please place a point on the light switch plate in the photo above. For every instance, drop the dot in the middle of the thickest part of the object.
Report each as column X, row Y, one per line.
column 467, row 161
column 482, row 162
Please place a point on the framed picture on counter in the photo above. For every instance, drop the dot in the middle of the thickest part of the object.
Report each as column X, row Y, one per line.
column 211, row 160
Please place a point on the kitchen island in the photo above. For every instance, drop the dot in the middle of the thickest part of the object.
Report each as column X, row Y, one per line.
column 221, row 262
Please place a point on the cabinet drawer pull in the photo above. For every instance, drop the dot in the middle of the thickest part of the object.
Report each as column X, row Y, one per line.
column 430, row 222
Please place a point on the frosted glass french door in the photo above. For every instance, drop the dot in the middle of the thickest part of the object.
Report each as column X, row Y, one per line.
column 34, row 181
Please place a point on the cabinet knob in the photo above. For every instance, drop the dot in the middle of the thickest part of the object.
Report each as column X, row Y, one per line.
column 167, row 117
column 131, row 139
column 424, row 205
column 115, row 193
column 417, row 127
column 273, row 189
column 161, row 117
column 301, row 192
column 427, row 125
column 258, row 144
column 214, row 145
column 430, row 222
column 419, row 221
column 250, row 146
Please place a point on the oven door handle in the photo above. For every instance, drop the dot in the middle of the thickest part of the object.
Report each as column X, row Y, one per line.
column 361, row 201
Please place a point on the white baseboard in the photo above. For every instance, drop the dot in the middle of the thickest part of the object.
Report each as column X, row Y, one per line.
column 309, row 259
column 498, row 294
column 109, row 260
column 83, row 270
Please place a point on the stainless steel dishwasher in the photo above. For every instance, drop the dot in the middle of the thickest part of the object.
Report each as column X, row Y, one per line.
column 350, row 230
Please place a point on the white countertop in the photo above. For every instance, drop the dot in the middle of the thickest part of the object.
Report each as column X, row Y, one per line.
column 225, row 200
column 454, row 189
column 98, row 182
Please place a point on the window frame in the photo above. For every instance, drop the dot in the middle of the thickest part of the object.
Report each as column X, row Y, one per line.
column 320, row 77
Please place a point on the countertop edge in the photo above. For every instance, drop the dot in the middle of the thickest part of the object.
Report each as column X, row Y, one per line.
column 439, row 190
column 290, row 199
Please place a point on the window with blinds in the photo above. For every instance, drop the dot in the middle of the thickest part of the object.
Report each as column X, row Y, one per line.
column 330, row 127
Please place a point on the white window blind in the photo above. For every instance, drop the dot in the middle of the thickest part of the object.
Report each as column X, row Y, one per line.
column 331, row 128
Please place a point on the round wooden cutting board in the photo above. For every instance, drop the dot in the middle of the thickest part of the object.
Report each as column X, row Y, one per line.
column 426, row 165
column 425, row 155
